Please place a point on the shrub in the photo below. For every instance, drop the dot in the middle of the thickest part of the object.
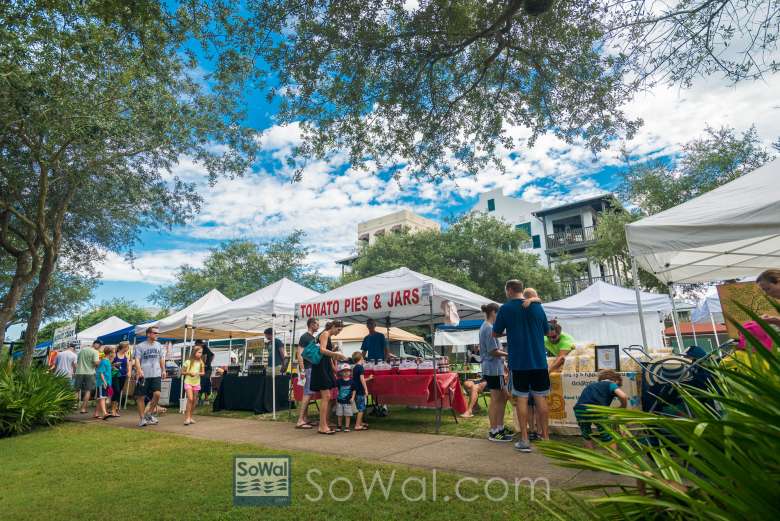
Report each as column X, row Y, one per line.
column 722, row 463
column 31, row 397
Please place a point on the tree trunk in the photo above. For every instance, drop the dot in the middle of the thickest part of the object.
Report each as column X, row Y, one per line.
column 39, row 301
column 22, row 276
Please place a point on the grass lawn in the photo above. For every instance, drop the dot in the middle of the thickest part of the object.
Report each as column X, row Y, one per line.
column 78, row 471
column 404, row 419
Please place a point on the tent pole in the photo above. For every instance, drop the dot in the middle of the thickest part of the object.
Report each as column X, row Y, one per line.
column 435, row 369
column 273, row 364
column 693, row 328
column 293, row 349
column 676, row 320
column 635, row 276
column 714, row 330
column 182, row 405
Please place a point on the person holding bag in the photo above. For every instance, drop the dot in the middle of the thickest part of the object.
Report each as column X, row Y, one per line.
column 322, row 377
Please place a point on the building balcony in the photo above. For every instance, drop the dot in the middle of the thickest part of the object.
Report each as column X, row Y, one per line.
column 573, row 286
column 571, row 239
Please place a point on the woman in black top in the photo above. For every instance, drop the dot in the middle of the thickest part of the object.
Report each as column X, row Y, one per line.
column 205, row 379
column 322, row 378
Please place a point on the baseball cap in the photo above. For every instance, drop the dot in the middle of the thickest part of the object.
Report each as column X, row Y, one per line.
column 344, row 367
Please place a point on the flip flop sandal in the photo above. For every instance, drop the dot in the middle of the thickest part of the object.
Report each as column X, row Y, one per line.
column 362, row 428
column 304, row 426
column 328, row 433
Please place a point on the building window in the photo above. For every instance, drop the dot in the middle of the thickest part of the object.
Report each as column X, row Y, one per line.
column 525, row 228
column 537, row 239
column 491, row 205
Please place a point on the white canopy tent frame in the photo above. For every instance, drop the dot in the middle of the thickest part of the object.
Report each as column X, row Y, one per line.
column 251, row 314
column 730, row 232
column 401, row 297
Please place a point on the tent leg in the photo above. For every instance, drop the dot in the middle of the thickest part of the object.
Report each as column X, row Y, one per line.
column 273, row 364
column 693, row 328
column 714, row 330
column 635, row 276
column 293, row 347
column 676, row 321
column 436, row 398
column 182, row 405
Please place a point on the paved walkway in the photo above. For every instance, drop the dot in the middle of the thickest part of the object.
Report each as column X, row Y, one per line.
column 467, row 456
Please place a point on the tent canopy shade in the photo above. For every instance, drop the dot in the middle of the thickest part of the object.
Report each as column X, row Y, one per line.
column 251, row 314
column 174, row 325
column 357, row 332
column 602, row 299
column 730, row 232
column 401, row 295
column 104, row 327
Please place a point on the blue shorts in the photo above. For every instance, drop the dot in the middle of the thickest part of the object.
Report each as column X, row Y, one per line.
column 360, row 402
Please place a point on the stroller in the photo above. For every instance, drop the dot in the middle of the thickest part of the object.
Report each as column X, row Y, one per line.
column 661, row 377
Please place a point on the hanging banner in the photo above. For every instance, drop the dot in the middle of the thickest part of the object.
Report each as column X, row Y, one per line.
column 566, row 388
column 368, row 304
column 63, row 335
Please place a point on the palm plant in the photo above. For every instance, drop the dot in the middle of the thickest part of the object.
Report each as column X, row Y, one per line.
column 721, row 463
column 30, row 397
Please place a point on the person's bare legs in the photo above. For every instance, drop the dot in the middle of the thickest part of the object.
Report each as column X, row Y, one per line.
column 473, row 390
column 543, row 413
column 85, row 403
column 153, row 402
column 140, row 402
column 324, row 410
column 522, row 415
column 497, row 407
column 190, row 404
column 302, row 419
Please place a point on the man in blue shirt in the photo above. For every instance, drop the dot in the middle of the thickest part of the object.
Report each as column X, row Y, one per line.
column 525, row 328
column 374, row 346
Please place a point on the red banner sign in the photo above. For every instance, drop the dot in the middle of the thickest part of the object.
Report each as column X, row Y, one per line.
column 365, row 304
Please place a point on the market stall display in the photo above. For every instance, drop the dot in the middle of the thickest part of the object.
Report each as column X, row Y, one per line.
column 605, row 315
column 399, row 297
column 254, row 393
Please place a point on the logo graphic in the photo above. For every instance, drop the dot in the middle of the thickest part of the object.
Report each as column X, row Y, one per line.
column 261, row 481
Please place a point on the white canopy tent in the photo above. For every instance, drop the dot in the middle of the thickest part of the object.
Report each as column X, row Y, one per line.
column 399, row 297
column 104, row 327
column 732, row 231
column 609, row 315
column 177, row 324
column 272, row 306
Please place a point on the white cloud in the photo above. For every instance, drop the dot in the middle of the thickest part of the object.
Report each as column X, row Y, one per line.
column 331, row 198
column 151, row 266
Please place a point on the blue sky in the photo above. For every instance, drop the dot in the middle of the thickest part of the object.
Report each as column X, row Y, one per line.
column 333, row 197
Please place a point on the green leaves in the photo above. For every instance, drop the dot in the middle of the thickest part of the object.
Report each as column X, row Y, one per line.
column 476, row 252
column 239, row 267
column 722, row 463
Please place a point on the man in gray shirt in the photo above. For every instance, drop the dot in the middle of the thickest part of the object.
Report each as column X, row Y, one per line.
column 150, row 368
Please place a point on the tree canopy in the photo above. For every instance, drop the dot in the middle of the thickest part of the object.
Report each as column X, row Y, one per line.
column 444, row 85
column 239, row 267
column 121, row 308
column 99, row 101
column 477, row 252
column 704, row 163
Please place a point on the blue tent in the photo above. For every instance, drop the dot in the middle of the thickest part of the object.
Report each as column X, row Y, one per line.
column 463, row 325
column 126, row 333
column 39, row 350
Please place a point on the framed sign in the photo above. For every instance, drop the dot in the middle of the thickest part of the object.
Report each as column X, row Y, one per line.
column 607, row 357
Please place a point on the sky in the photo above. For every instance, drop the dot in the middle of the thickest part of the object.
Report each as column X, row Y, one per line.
column 332, row 197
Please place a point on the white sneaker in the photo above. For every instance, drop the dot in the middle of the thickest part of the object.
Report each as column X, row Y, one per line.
column 142, row 423
column 152, row 420
column 523, row 446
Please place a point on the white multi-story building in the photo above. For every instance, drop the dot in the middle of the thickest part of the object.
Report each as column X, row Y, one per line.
column 369, row 231
column 517, row 213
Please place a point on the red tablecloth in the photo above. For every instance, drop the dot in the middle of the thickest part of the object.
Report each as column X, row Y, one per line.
column 409, row 390
column 418, row 390
column 298, row 392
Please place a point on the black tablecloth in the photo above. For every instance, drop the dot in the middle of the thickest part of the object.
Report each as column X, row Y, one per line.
column 252, row 393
